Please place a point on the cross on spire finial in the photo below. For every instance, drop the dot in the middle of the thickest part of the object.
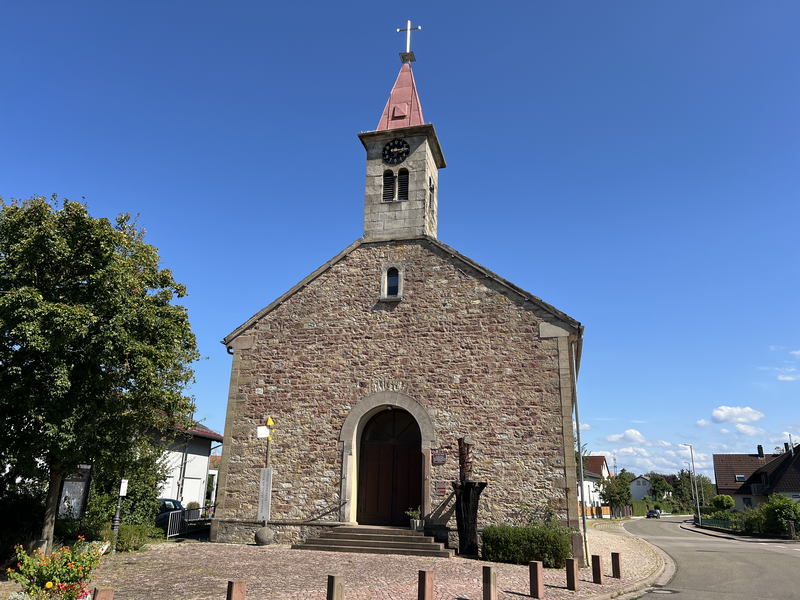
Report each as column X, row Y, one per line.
column 408, row 55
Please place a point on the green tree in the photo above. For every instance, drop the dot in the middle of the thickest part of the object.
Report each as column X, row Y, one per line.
column 616, row 491
column 627, row 475
column 777, row 511
column 581, row 455
column 658, row 486
column 723, row 502
column 92, row 350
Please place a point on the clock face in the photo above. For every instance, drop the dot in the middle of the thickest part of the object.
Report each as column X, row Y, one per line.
column 395, row 152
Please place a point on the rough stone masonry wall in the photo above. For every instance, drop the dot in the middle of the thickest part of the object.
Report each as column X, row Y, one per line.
column 462, row 345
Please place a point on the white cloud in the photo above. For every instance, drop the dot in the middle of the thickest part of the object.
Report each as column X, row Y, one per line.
column 630, row 435
column 775, row 348
column 787, row 378
column 703, row 423
column 725, row 430
column 735, row 414
column 749, row 430
column 584, row 426
column 795, row 352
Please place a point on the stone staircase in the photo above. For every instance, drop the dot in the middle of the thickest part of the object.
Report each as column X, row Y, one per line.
column 376, row 540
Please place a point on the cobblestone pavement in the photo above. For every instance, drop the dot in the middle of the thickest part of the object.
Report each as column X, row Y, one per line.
column 188, row 571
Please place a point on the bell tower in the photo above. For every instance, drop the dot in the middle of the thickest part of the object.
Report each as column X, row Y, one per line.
column 403, row 162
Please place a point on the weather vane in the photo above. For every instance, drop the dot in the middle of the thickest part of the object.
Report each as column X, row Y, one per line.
column 408, row 55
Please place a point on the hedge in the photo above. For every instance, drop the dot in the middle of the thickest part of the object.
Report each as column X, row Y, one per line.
column 520, row 545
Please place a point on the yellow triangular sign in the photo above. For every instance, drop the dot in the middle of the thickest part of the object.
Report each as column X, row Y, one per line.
column 270, row 422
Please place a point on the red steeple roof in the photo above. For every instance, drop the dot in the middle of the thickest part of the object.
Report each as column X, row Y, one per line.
column 403, row 108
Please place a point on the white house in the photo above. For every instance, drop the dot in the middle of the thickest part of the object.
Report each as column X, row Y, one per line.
column 188, row 459
column 596, row 468
column 640, row 488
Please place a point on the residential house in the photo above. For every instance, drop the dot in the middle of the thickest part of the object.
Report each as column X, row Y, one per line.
column 751, row 478
column 640, row 488
column 596, row 468
column 188, row 459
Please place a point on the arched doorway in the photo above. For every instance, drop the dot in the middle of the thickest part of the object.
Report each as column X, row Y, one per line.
column 389, row 469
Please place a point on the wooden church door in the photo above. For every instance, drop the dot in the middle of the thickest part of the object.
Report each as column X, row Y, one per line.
column 390, row 469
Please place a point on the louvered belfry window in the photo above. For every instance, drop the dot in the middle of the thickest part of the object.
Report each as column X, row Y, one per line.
column 402, row 185
column 388, row 186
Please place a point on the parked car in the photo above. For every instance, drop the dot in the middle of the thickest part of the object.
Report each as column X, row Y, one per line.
column 653, row 514
column 167, row 506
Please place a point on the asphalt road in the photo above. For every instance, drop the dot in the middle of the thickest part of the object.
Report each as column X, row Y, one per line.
column 713, row 568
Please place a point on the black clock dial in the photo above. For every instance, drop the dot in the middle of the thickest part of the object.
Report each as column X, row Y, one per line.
column 395, row 152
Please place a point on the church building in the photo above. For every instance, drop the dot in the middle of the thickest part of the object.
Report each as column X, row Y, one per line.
column 375, row 364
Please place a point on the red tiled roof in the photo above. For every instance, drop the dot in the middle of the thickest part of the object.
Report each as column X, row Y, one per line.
column 783, row 474
column 595, row 464
column 202, row 431
column 213, row 461
column 727, row 466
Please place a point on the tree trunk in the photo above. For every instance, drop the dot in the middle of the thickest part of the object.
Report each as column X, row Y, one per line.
column 467, row 496
column 51, row 508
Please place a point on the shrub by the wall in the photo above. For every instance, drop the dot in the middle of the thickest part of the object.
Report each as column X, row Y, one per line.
column 520, row 545
column 639, row 508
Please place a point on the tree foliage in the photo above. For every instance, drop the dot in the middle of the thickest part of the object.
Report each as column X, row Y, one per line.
column 723, row 502
column 658, row 486
column 616, row 491
column 92, row 350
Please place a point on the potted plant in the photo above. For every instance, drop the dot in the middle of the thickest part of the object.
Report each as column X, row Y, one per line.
column 417, row 524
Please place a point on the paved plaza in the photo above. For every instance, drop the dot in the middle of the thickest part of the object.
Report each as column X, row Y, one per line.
column 197, row 570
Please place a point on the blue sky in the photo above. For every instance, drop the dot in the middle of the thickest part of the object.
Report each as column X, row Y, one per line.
column 633, row 163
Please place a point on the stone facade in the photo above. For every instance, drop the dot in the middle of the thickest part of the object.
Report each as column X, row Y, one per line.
column 452, row 348
column 479, row 356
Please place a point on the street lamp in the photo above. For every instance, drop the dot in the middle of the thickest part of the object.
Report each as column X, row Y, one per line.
column 696, row 497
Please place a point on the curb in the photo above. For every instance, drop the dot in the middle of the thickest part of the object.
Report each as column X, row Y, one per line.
column 665, row 571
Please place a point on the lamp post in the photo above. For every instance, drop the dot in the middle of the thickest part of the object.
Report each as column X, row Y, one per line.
column 694, row 477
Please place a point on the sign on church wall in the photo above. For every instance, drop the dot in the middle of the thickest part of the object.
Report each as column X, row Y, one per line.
column 264, row 495
column 438, row 458
column 441, row 488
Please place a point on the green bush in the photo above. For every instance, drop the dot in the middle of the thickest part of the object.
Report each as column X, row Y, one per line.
column 520, row 545
column 639, row 508
column 130, row 538
column 723, row 502
column 777, row 512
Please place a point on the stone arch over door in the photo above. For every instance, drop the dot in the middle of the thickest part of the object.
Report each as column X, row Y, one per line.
column 350, row 435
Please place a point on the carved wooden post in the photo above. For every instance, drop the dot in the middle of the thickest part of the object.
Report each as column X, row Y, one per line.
column 537, row 579
column 616, row 565
column 103, row 594
column 572, row 574
column 465, row 459
column 467, row 496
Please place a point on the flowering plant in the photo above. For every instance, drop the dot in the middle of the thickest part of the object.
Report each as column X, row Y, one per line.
column 64, row 574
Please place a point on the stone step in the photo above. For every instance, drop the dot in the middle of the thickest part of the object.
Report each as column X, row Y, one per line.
column 376, row 530
column 416, row 539
column 422, row 545
column 444, row 553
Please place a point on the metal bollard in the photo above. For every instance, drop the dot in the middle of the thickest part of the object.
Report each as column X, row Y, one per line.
column 616, row 565
column 237, row 590
column 537, row 578
column 425, row 589
column 335, row 587
column 572, row 574
column 597, row 569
